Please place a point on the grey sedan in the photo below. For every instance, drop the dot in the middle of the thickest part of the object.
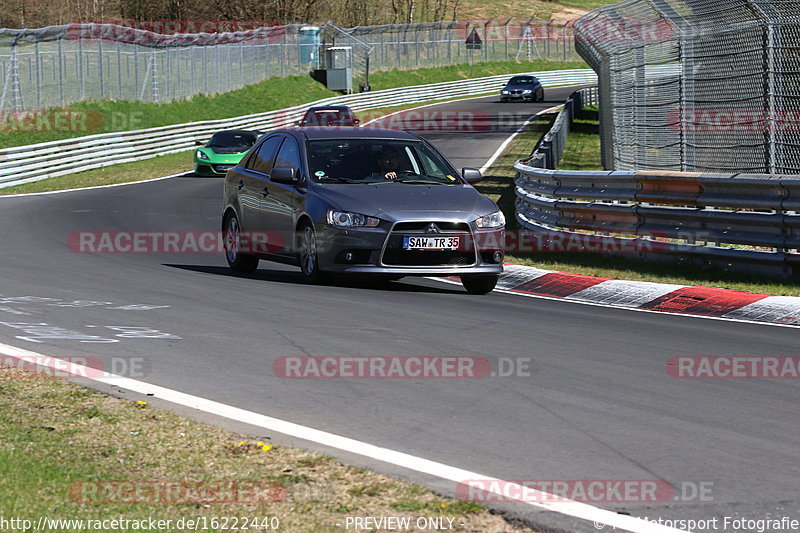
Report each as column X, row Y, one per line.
column 360, row 201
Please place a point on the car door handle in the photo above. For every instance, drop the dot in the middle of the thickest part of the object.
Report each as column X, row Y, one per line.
column 240, row 185
column 264, row 192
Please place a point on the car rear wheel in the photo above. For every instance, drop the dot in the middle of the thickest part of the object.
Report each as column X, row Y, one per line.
column 309, row 260
column 479, row 283
column 238, row 261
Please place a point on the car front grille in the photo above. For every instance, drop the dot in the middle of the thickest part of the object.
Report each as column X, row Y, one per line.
column 395, row 255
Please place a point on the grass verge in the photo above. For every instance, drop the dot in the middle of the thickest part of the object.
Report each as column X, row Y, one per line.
column 583, row 144
column 275, row 93
column 61, row 447
column 583, row 152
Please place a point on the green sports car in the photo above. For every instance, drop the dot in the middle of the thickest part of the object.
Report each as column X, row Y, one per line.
column 223, row 151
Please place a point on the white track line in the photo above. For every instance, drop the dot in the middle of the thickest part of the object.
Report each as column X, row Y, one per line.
column 456, row 475
column 95, row 187
column 505, row 144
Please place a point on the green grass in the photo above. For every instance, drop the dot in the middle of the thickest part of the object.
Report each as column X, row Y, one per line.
column 498, row 185
column 583, row 144
column 268, row 95
column 58, row 439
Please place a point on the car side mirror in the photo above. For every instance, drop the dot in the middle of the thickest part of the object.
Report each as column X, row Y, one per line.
column 199, row 143
column 286, row 175
column 472, row 175
column 356, row 122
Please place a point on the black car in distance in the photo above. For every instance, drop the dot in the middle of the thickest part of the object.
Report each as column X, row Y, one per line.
column 524, row 88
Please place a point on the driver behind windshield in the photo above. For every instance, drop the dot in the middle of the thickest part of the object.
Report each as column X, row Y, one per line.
column 388, row 163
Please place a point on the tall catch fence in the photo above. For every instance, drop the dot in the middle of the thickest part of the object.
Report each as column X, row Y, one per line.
column 408, row 46
column 59, row 65
column 697, row 85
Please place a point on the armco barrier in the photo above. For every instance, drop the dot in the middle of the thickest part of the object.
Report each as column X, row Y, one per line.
column 732, row 220
column 35, row 162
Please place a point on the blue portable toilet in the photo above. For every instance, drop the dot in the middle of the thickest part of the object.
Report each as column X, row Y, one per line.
column 308, row 43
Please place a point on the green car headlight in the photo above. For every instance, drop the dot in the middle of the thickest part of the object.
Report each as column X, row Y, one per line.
column 201, row 155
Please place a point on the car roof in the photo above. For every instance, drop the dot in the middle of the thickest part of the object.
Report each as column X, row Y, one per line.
column 329, row 108
column 237, row 132
column 347, row 132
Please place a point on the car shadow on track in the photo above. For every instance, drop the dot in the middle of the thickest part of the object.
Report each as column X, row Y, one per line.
column 295, row 278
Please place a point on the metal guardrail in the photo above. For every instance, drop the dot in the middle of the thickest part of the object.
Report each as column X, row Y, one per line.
column 732, row 220
column 550, row 149
column 35, row 162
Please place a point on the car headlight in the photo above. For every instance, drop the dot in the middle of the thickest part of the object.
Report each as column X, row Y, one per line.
column 527, row 91
column 201, row 155
column 344, row 219
column 503, row 92
column 495, row 220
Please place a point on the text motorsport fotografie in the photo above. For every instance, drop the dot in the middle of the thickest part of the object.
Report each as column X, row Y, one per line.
column 727, row 523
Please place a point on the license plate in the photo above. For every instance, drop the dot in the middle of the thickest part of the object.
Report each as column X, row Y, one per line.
column 224, row 168
column 430, row 243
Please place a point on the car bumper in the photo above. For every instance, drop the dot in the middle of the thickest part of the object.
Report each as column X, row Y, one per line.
column 212, row 169
column 376, row 251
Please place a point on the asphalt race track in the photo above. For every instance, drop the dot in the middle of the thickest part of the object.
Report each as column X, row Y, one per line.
column 598, row 403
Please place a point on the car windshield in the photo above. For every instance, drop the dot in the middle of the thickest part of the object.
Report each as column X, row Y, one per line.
column 378, row 161
column 521, row 80
column 229, row 139
column 328, row 117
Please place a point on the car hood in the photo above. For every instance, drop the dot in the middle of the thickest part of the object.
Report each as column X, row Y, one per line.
column 520, row 86
column 401, row 201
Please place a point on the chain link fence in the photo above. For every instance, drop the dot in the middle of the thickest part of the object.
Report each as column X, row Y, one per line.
column 697, row 85
column 58, row 65
column 409, row 46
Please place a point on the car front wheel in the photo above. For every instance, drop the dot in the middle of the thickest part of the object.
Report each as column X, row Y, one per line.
column 479, row 283
column 308, row 258
column 232, row 235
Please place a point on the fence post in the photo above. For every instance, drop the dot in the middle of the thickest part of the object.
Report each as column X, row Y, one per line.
column 119, row 70
column 416, row 45
column 135, row 68
column 81, row 83
column 154, row 75
column 60, row 72
column 283, row 54
column 38, row 64
column 100, row 67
